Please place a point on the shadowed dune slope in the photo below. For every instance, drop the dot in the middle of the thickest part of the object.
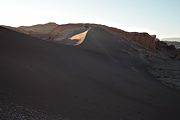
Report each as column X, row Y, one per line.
column 101, row 79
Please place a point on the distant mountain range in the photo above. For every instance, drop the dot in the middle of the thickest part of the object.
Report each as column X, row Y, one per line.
column 171, row 39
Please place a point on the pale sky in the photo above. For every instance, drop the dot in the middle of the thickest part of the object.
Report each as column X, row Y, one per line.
column 160, row 17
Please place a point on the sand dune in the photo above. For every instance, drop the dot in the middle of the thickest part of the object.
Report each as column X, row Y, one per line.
column 103, row 78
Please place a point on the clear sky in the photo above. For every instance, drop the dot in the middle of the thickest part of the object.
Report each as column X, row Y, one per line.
column 160, row 17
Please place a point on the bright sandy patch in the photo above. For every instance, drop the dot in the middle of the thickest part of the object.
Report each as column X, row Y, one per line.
column 79, row 37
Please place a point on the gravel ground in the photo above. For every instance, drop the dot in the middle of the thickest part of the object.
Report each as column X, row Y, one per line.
column 11, row 111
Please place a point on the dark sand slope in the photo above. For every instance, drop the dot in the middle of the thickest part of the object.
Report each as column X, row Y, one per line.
column 102, row 79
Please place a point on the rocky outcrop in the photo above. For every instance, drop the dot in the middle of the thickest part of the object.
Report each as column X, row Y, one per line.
column 40, row 31
column 144, row 39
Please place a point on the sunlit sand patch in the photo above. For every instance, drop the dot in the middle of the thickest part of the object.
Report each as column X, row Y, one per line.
column 79, row 37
